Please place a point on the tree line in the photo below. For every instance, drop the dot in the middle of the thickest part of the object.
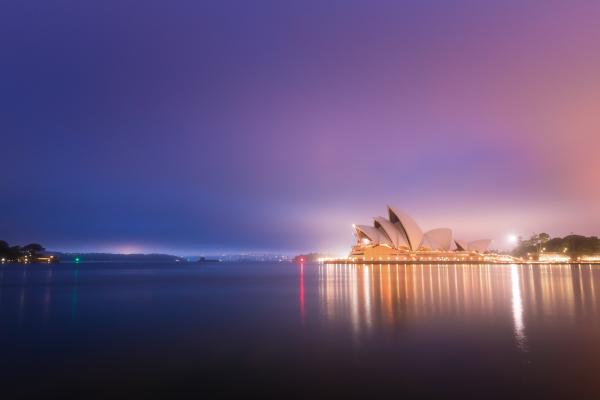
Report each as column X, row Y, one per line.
column 16, row 253
column 572, row 245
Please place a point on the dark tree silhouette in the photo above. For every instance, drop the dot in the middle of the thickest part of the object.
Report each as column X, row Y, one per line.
column 32, row 249
column 14, row 252
column 4, row 249
column 573, row 245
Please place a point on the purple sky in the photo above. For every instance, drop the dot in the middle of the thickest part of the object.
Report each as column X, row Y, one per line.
column 199, row 126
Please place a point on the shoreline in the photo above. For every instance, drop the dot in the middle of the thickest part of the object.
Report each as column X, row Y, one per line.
column 452, row 262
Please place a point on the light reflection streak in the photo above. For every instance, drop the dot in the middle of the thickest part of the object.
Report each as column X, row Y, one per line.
column 517, row 307
column 74, row 294
column 47, row 295
column 302, row 291
column 354, row 301
column 373, row 297
column 367, row 292
column 1, row 285
column 22, row 296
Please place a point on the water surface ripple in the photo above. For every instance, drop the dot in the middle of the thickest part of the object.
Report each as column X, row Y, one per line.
column 148, row 330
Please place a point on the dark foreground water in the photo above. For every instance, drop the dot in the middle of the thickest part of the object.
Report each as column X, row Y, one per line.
column 190, row 330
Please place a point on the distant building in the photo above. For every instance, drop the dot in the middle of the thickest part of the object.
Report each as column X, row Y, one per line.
column 46, row 258
column 554, row 257
column 399, row 238
column 589, row 258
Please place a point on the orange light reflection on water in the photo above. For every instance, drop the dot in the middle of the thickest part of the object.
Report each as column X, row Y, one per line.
column 391, row 296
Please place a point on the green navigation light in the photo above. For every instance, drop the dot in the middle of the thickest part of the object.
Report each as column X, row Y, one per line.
column 77, row 260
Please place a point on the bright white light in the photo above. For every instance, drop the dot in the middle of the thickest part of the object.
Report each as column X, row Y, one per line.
column 517, row 307
column 512, row 238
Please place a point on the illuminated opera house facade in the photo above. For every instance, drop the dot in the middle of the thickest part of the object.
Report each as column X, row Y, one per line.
column 399, row 238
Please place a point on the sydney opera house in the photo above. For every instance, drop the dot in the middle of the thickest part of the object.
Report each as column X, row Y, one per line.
column 399, row 238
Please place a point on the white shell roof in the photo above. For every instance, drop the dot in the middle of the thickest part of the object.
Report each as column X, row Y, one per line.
column 373, row 234
column 480, row 245
column 414, row 234
column 438, row 239
column 401, row 231
column 393, row 233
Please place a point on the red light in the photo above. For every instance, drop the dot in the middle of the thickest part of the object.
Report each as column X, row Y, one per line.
column 301, row 259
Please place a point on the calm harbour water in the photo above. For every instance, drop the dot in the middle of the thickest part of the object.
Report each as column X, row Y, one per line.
column 94, row 330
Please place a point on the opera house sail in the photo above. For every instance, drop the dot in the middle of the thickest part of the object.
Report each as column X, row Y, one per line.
column 398, row 238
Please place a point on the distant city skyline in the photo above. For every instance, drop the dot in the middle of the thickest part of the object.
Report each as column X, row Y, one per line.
column 210, row 127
